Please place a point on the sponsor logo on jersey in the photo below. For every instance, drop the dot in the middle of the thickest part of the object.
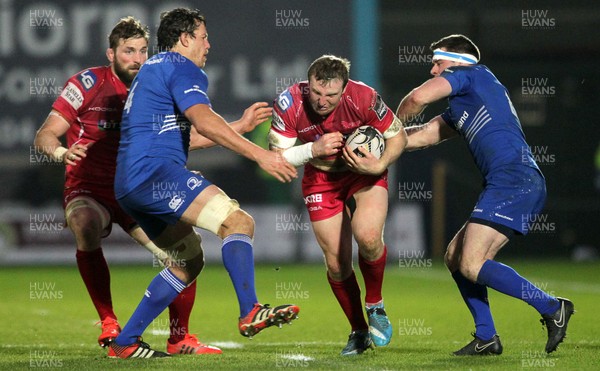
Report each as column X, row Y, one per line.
column 277, row 122
column 109, row 125
column 285, row 100
column 307, row 129
column 314, row 198
column 194, row 88
column 103, row 109
column 462, row 120
column 72, row 95
column 176, row 202
column 87, row 79
column 194, row 182
column 380, row 108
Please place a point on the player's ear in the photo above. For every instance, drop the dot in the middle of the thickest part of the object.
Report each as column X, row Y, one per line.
column 110, row 54
column 183, row 39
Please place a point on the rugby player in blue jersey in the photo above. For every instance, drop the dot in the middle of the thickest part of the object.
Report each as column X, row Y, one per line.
column 514, row 189
column 166, row 101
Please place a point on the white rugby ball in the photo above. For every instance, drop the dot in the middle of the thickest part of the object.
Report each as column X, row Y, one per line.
column 367, row 137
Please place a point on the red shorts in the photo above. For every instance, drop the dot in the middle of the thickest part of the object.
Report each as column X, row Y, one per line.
column 105, row 196
column 325, row 193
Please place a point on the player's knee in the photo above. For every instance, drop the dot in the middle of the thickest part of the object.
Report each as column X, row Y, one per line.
column 186, row 256
column 370, row 243
column 451, row 261
column 237, row 222
column 87, row 219
column 86, row 228
column 469, row 270
column 369, row 239
column 222, row 215
column 194, row 267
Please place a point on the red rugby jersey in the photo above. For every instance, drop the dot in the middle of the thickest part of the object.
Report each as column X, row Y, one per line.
column 360, row 105
column 92, row 101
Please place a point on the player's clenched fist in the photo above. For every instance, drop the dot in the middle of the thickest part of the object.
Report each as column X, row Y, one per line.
column 328, row 144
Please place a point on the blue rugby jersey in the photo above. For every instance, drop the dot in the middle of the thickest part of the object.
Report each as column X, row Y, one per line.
column 481, row 111
column 153, row 127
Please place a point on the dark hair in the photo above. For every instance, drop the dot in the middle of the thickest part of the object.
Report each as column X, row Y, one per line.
column 176, row 22
column 457, row 43
column 329, row 67
column 127, row 28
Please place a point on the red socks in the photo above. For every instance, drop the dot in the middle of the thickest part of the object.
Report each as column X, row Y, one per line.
column 179, row 313
column 372, row 272
column 96, row 276
column 347, row 293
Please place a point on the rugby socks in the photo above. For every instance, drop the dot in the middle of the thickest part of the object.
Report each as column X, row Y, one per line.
column 506, row 280
column 163, row 289
column 179, row 313
column 476, row 298
column 347, row 293
column 372, row 272
column 96, row 277
column 238, row 259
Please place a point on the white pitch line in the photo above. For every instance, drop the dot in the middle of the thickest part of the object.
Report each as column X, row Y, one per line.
column 227, row 344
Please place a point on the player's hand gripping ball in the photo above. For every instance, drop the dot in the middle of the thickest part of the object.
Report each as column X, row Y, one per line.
column 367, row 137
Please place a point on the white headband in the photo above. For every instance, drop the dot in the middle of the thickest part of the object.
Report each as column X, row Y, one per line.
column 455, row 57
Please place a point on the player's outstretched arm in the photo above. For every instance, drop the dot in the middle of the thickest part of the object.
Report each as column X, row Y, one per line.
column 415, row 102
column 253, row 116
column 47, row 140
column 211, row 125
column 429, row 134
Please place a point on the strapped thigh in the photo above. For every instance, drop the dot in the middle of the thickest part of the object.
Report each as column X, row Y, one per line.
column 216, row 210
column 80, row 202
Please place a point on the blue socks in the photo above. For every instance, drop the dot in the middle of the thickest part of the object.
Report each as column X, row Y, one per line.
column 475, row 296
column 163, row 289
column 506, row 280
column 239, row 262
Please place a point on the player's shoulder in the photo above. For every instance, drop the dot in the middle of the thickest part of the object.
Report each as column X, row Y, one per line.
column 90, row 78
column 360, row 95
column 292, row 96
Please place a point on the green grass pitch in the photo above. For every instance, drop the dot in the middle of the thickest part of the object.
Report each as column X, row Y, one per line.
column 48, row 321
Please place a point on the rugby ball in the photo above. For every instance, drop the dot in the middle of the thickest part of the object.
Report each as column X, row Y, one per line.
column 367, row 137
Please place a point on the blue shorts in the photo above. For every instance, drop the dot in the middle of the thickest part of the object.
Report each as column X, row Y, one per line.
column 164, row 197
column 513, row 195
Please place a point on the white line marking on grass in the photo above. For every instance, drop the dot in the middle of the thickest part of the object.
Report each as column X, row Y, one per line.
column 227, row 344
column 297, row 357
column 301, row 343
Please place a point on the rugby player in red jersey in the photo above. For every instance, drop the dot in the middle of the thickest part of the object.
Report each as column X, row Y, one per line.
column 88, row 113
column 346, row 195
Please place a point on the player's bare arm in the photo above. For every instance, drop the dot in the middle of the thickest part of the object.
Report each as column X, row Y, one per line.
column 211, row 125
column 253, row 116
column 47, row 140
column 327, row 145
column 415, row 102
column 429, row 134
